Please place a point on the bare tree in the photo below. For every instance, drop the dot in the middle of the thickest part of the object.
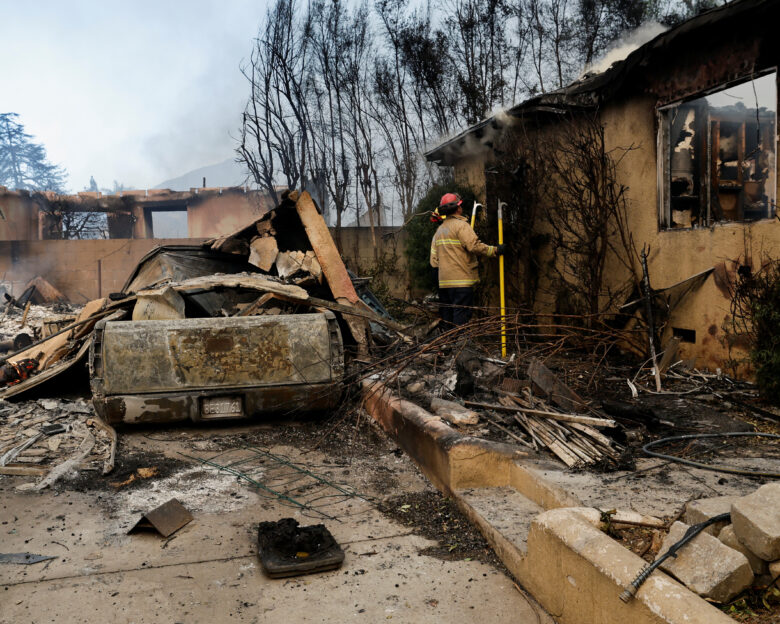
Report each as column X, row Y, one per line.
column 275, row 133
column 390, row 107
column 478, row 47
column 586, row 208
column 329, row 35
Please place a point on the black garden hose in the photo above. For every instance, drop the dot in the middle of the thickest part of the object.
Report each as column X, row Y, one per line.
column 714, row 468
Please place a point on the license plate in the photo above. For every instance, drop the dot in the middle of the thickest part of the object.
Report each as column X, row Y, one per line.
column 221, row 407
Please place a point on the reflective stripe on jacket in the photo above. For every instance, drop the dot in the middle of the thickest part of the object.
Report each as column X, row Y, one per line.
column 454, row 250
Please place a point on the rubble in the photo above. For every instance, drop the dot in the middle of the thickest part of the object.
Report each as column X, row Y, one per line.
column 729, row 538
column 263, row 270
column 707, row 566
column 453, row 412
column 50, row 438
column 756, row 521
column 706, row 508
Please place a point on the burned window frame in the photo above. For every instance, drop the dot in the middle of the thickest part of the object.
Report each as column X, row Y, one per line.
column 705, row 173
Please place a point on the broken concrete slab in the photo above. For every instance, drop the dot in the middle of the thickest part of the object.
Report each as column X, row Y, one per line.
column 707, row 566
column 263, row 252
column 756, row 521
column 728, row 537
column 311, row 265
column 705, row 508
column 158, row 305
column 288, row 263
column 453, row 412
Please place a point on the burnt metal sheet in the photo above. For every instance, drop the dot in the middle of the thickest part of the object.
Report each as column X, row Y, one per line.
column 671, row 295
column 191, row 354
column 165, row 519
column 177, row 263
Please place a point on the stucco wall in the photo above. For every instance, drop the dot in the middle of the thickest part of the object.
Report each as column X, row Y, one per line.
column 19, row 218
column 87, row 269
column 81, row 270
column 471, row 172
column 224, row 214
column 676, row 255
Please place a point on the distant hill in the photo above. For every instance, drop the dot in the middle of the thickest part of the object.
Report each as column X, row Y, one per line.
column 226, row 173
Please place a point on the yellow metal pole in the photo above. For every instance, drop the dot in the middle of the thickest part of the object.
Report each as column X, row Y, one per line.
column 501, row 276
column 474, row 214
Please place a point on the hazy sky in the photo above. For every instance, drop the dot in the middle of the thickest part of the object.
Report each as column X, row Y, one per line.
column 137, row 91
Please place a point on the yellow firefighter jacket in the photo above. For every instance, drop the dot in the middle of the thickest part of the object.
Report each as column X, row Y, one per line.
column 453, row 252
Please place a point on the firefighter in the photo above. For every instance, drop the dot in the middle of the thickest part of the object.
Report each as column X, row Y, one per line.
column 454, row 251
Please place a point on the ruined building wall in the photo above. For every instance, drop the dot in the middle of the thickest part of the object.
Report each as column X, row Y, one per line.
column 83, row 270
column 676, row 255
column 218, row 215
column 18, row 216
column 471, row 172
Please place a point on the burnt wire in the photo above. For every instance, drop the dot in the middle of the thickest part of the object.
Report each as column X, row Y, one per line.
column 277, row 477
column 711, row 467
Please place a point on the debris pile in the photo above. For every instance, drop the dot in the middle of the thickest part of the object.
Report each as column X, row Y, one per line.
column 538, row 412
column 51, row 437
column 205, row 307
column 728, row 556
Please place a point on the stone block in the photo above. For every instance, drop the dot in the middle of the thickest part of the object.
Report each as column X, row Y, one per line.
column 756, row 521
column 728, row 537
column 707, row 566
column 705, row 508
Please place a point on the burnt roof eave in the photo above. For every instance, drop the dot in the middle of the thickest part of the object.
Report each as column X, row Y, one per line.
column 600, row 86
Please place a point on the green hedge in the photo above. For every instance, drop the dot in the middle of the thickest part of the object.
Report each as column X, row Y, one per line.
column 420, row 231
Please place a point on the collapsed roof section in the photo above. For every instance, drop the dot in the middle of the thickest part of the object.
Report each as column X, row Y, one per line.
column 651, row 68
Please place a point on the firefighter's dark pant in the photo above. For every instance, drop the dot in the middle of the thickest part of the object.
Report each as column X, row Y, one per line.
column 455, row 305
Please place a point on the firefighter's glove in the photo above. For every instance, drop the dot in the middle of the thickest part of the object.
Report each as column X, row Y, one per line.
column 500, row 250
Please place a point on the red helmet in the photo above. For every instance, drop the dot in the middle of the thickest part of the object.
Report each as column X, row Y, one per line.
column 449, row 203
column 450, row 198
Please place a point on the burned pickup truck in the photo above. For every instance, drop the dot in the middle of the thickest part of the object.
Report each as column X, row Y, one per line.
column 259, row 321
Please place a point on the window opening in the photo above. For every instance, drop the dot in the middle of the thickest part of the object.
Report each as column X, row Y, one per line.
column 718, row 156
column 169, row 223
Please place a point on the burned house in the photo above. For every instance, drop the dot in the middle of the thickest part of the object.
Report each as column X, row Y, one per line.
column 691, row 120
column 85, row 244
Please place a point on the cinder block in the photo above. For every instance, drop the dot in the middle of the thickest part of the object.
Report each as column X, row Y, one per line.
column 707, row 566
column 705, row 508
column 756, row 521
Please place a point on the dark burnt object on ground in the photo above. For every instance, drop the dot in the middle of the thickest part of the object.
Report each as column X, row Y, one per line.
column 287, row 549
